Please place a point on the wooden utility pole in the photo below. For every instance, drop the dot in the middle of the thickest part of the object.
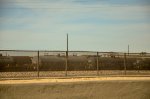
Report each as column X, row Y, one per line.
column 128, row 50
column 66, row 68
column 125, row 63
column 97, row 64
column 38, row 64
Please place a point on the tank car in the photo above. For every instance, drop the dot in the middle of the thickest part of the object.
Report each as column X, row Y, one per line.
column 6, row 63
column 15, row 63
column 49, row 63
column 59, row 62
column 22, row 63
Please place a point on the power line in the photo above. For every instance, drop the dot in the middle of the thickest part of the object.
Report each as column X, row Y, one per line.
column 48, row 7
column 35, row 1
column 51, row 7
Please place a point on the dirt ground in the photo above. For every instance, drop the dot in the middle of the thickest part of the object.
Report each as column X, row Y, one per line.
column 77, row 88
column 71, row 73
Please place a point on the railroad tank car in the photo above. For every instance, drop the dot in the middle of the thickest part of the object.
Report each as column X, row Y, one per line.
column 15, row 63
column 109, row 63
column 49, row 63
column 116, row 63
column 59, row 62
column 143, row 64
column 75, row 63
column 88, row 63
column 6, row 63
column 106, row 63
column 22, row 63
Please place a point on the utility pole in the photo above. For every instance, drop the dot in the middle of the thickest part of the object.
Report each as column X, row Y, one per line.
column 128, row 50
column 66, row 68
column 38, row 64
column 67, row 42
column 97, row 64
column 125, row 67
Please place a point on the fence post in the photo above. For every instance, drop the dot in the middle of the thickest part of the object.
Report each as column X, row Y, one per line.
column 66, row 68
column 38, row 64
column 97, row 64
column 138, row 68
column 125, row 63
column 138, row 65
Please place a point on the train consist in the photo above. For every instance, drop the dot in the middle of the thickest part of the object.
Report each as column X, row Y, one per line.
column 75, row 63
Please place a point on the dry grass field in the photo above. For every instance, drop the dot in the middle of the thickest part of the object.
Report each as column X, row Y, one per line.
column 77, row 88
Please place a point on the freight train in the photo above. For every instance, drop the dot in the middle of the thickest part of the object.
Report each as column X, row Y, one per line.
column 75, row 63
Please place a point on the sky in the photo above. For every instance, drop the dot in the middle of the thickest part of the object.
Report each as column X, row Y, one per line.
column 92, row 25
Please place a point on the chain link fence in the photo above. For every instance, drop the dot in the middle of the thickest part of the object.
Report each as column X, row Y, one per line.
column 25, row 63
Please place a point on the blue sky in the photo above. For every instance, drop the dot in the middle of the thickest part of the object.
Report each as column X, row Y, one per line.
column 94, row 25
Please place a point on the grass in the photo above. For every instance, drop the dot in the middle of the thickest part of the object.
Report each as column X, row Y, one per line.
column 106, row 89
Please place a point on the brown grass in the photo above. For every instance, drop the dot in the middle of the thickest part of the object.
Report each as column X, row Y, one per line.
column 79, row 88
